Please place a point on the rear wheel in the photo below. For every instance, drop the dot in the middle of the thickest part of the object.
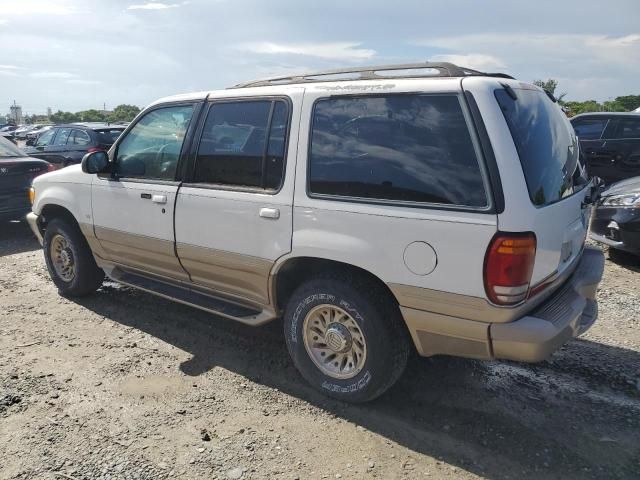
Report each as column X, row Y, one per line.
column 346, row 336
column 69, row 259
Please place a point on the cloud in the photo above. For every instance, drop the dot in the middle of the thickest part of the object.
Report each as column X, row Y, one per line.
column 79, row 81
column 37, row 7
column 332, row 51
column 9, row 70
column 53, row 75
column 154, row 6
column 477, row 61
column 558, row 47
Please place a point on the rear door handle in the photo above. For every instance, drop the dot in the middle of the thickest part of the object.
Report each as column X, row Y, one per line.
column 270, row 213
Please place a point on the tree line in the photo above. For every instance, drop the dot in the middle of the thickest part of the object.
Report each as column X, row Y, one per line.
column 625, row 103
column 122, row 113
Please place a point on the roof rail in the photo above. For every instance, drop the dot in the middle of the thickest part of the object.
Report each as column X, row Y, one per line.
column 442, row 69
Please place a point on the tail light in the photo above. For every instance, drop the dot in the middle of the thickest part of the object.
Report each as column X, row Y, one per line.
column 508, row 266
column 94, row 149
column 51, row 167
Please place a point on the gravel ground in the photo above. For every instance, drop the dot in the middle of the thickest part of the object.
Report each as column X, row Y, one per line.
column 125, row 385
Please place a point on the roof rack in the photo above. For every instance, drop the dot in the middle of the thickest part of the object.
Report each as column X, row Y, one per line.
column 442, row 69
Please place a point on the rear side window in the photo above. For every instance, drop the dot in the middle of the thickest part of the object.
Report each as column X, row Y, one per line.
column 546, row 144
column 243, row 144
column 629, row 128
column 590, row 129
column 400, row 148
column 80, row 138
column 109, row 136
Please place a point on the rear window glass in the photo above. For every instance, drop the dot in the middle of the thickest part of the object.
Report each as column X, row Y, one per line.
column 405, row 148
column 590, row 129
column 109, row 136
column 546, row 144
column 629, row 128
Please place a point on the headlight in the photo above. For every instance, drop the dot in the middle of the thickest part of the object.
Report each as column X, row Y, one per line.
column 32, row 195
column 631, row 201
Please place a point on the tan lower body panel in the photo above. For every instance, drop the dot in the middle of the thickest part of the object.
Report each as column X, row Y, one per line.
column 145, row 253
column 436, row 334
column 240, row 275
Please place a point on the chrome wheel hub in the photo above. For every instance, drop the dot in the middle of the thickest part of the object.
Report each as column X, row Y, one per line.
column 338, row 338
column 334, row 341
column 62, row 258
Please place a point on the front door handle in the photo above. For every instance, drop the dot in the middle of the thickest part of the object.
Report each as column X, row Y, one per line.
column 270, row 213
column 159, row 199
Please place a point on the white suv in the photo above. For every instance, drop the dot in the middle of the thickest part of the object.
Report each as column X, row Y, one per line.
column 375, row 209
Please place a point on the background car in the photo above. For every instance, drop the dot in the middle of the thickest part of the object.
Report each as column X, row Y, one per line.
column 610, row 143
column 64, row 145
column 16, row 173
column 616, row 219
column 21, row 133
column 33, row 135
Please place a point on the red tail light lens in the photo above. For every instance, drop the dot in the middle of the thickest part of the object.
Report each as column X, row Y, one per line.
column 51, row 167
column 94, row 149
column 508, row 266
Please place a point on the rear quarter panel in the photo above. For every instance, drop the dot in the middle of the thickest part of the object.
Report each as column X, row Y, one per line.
column 564, row 222
column 376, row 237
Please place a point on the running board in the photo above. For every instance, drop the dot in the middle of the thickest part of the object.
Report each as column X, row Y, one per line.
column 188, row 296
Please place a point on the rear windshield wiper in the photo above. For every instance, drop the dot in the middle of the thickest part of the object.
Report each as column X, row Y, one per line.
column 510, row 91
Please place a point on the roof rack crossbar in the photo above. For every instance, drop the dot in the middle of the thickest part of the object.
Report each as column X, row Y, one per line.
column 443, row 69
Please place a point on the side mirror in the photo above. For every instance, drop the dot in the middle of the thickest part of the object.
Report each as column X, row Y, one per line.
column 95, row 162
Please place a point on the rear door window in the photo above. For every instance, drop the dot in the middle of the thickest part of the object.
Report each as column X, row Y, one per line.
column 590, row 129
column 546, row 144
column 243, row 144
column 395, row 148
column 62, row 136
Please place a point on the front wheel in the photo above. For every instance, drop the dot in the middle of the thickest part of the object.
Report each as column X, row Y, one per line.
column 346, row 336
column 69, row 259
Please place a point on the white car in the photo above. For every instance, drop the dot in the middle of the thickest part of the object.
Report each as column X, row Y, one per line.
column 378, row 210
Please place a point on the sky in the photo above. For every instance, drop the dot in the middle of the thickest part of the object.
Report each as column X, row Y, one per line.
column 79, row 54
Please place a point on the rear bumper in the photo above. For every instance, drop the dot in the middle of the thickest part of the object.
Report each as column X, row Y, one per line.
column 32, row 219
column 532, row 338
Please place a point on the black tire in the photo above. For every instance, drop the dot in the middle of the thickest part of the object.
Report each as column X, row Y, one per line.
column 88, row 276
column 387, row 340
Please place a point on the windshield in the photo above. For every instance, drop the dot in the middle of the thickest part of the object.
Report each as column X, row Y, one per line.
column 546, row 143
column 8, row 149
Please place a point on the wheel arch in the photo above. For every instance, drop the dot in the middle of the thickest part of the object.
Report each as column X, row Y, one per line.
column 287, row 274
column 50, row 211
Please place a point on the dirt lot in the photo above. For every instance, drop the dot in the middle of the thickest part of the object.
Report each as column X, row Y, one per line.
column 124, row 385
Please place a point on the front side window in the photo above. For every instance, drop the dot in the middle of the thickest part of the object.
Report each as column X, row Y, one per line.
column 405, row 148
column 546, row 144
column 152, row 147
column 243, row 144
column 45, row 138
column 590, row 129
